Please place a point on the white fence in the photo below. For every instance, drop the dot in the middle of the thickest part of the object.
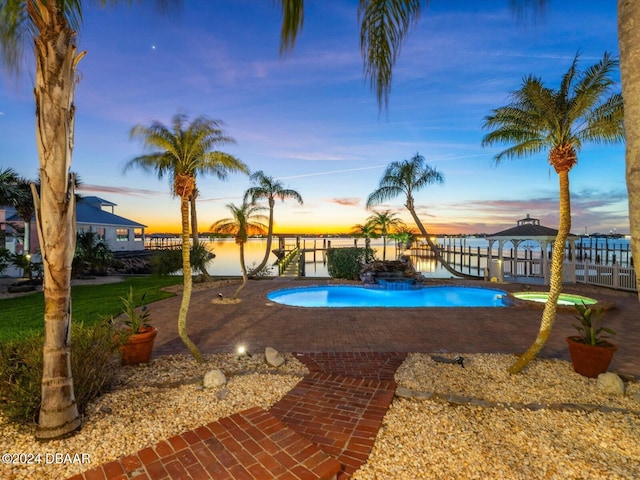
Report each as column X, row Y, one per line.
column 613, row 276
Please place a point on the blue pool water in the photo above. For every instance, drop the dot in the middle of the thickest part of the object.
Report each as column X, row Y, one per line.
column 354, row 296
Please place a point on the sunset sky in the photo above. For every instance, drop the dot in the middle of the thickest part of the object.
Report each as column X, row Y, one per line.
column 311, row 121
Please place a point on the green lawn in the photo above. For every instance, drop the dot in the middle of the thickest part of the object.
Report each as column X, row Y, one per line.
column 22, row 316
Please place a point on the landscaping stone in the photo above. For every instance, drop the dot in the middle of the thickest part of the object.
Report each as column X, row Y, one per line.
column 214, row 379
column 610, row 384
column 273, row 357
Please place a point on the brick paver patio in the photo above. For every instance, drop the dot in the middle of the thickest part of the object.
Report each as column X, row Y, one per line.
column 326, row 426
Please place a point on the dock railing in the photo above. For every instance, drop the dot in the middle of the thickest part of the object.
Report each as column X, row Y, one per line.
column 286, row 260
column 612, row 276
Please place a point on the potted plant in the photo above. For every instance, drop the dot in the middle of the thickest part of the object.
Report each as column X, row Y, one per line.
column 590, row 352
column 139, row 334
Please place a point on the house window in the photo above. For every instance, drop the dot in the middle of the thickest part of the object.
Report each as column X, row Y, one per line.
column 122, row 234
column 137, row 234
column 102, row 233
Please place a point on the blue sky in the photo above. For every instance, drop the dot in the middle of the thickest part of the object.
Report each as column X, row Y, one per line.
column 310, row 119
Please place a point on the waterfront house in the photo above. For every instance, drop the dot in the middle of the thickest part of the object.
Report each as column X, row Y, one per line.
column 92, row 214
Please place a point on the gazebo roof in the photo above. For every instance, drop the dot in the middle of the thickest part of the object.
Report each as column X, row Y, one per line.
column 527, row 230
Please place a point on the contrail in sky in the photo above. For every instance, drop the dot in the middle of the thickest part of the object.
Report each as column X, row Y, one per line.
column 332, row 172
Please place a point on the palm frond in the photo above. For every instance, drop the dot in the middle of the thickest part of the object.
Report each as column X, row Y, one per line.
column 605, row 124
column 292, row 23
column 384, row 24
column 403, row 178
column 269, row 188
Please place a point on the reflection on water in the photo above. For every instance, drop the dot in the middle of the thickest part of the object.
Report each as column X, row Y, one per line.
column 227, row 261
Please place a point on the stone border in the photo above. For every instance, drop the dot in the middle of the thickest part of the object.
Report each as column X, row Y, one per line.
column 460, row 401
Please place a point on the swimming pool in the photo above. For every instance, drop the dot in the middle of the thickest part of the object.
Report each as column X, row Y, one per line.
column 340, row 296
column 563, row 299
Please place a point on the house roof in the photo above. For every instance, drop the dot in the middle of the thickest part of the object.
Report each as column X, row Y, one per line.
column 88, row 211
column 97, row 202
column 89, row 214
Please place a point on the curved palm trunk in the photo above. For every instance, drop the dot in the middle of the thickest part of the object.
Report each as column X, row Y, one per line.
column 244, row 271
column 267, row 252
column 555, row 282
column 629, row 43
column 432, row 246
column 56, row 61
column 186, row 275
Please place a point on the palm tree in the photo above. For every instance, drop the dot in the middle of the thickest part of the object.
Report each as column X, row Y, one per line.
column 538, row 118
column 404, row 237
column 629, row 45
column 367, row 231
column 181, row 152
column 385, row 222
column 9, row 192
column 270, row 189
column 51, row 27
column 245, row 220
column 25, row 209
column 403, row 178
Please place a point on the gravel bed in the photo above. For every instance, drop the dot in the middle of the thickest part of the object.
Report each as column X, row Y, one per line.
column 420, row 437
column 152, row 402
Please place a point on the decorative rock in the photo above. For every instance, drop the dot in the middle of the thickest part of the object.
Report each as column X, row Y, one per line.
column 222, row 393
column 273, row 357
column 105, row 409
column 214, row 378
column 610, row 384
column 404, row 392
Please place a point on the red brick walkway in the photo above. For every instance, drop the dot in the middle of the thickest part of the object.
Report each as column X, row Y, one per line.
column 322, row 429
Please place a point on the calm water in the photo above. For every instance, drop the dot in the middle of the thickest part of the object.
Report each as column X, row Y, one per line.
column 227, row 261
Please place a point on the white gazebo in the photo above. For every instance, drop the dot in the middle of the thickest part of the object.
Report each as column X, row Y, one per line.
column 527, row 229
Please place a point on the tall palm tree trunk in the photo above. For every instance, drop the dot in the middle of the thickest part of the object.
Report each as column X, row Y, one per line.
column 629, row 43
column 243, row 267
column 56, row 60
column 195, row 236
column 384, row 247
column 186, row 275
column 432, row 246
column 555, row 282
column 269, row 241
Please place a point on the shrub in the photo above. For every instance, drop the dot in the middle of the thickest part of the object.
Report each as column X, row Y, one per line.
column 347, row 262
column 264, row 272
column 24, row 262
column 92, row 256
column 94, row 362
column 166, row 262
column 5, row 259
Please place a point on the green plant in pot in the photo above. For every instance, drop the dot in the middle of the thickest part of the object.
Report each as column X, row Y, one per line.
column 140, row 335
column 590, row 351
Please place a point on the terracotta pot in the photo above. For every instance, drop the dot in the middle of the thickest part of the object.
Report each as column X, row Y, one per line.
column 138, row 347
column 590, row 360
